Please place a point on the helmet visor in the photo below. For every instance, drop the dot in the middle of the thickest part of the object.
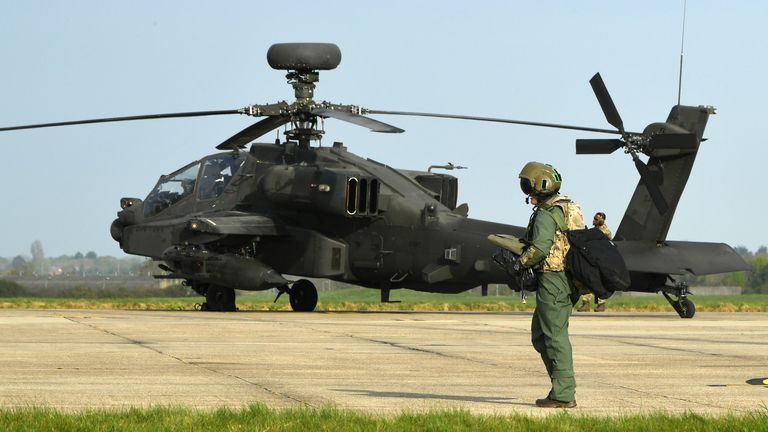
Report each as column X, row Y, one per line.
column 526, row 186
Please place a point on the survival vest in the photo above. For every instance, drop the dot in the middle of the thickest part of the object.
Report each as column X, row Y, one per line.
column 573, row 219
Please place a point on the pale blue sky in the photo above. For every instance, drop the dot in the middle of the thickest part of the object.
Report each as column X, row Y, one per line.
column 522, row 60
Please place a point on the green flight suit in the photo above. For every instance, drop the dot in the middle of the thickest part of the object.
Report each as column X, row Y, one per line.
column 549, row 327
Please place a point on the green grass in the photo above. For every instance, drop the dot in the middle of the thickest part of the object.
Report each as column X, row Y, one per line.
column 258, row 417
column 368, row 299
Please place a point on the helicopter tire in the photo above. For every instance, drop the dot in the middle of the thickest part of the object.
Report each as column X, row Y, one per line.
column 303, row 296
column 218, row 298
column 686, row 308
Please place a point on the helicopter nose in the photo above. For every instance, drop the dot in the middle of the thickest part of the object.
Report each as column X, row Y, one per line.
column 116, row 230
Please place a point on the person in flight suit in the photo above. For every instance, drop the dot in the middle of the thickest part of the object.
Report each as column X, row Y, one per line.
column 598, row 222
column 546, row 255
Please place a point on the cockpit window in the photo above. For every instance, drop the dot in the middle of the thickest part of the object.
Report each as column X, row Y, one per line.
column 171, row 189
column 216, row 174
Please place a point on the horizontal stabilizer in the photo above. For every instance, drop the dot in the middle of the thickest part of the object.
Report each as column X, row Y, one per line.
column 597, row 146
column 680, row 257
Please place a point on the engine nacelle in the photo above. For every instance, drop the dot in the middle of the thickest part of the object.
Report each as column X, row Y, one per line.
column 341, row 192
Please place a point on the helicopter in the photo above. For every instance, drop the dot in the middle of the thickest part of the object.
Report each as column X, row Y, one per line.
column 242, row 219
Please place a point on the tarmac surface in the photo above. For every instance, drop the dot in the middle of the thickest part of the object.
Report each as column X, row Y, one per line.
column 383, row 362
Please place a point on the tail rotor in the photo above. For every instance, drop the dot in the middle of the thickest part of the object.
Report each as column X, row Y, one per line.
column 634, row 143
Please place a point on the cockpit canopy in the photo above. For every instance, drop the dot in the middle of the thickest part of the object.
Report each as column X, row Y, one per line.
column 205, row 179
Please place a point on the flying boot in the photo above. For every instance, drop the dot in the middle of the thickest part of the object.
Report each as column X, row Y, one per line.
column 584, row 306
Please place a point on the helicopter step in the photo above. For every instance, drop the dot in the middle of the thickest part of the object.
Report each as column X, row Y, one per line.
column 681, row 303
column 384, row 288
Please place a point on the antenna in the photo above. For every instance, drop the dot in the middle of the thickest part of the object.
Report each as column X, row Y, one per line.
column 682, row 46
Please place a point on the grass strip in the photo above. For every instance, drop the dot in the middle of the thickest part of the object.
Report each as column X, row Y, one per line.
column 259, row 417
column 360, row 299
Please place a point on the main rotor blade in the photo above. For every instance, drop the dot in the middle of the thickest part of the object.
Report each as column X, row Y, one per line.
column 495, row 120
column 651, row 185
column 242, row 138
column 119, row 119
column 597, row 146
column 682, row 141
column 373, row 125
column 606, row 103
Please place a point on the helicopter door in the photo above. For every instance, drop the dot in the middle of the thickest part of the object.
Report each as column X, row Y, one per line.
column 366, row 251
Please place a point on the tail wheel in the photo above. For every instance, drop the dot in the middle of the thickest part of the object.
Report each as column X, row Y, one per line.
column 303, row 296
column 681, row 304
column 685, row 308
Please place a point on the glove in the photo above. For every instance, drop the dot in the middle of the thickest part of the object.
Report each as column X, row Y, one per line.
column 517, row 267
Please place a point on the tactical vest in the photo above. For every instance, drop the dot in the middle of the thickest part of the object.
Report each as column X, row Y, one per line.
column 604, row 229
column 572, row 219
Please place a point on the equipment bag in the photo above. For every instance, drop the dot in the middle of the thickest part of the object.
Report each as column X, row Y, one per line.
column 595, row 261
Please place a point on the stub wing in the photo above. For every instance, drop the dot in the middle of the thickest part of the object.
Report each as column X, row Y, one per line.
column 680, row 257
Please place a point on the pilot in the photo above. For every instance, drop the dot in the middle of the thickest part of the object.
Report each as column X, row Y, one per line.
column 598, row 222
column 546, row 255
column 188, row 187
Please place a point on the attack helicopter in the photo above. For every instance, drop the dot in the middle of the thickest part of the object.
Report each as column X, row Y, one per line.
column 246, row 216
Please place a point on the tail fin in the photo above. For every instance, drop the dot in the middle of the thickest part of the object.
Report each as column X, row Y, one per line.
column 670, row 168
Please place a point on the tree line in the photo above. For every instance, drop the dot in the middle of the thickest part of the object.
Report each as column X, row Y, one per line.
column 78, row 264
column 90, row 264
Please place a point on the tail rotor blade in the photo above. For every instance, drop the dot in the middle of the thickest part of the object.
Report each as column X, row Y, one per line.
column 597, row 146
column 651, row 185
column 606, row 103
column 242, row 138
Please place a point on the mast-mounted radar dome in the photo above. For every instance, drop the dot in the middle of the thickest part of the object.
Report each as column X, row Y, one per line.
column 304, row 56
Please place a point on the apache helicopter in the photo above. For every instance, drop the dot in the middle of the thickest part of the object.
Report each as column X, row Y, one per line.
column 242, row 219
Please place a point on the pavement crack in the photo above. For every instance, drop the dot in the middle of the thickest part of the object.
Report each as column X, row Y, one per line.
column 194, row 365
column 528, row 370
column 672, row 398
column 685, row 350
column 421, row 350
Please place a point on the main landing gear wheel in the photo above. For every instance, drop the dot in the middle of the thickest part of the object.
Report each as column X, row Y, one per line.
column 303, row 296
column 219, row 299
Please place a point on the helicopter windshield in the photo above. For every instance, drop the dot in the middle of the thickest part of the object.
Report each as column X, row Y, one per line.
column 216, row 174
column 171, row 189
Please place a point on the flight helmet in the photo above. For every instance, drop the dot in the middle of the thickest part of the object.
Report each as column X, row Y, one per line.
column 538, row 179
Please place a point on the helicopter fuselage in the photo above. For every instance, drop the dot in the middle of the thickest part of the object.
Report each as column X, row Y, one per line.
column 315, row 212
